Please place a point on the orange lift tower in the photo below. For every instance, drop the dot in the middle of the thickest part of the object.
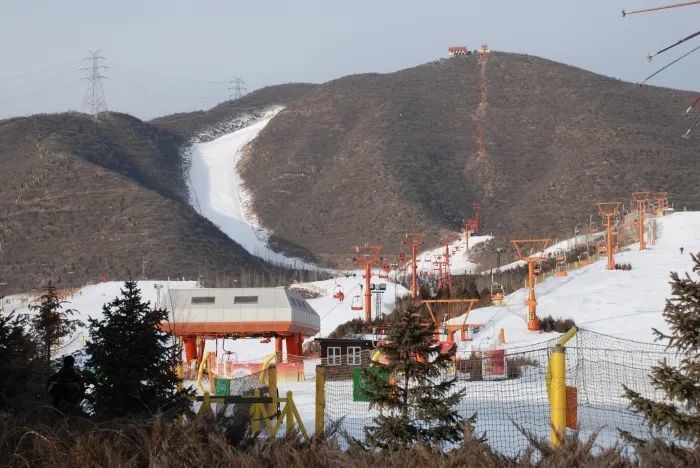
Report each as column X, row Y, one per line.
column 368, row 255
column 531, row 256
column 609, row 210
column 641, row 198
column 414, row 241
column 477, row 217
column 661, row 200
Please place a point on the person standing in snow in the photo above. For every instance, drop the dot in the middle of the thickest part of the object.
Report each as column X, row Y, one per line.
column 681, row 250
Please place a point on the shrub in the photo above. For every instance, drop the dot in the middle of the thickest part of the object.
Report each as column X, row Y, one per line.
column 550, row 324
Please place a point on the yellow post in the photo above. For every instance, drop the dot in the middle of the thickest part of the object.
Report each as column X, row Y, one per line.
column 289, row 414
column 320, row 400
column 206, row 404
column 557, row 394
column 254, row 415
column 272, row 388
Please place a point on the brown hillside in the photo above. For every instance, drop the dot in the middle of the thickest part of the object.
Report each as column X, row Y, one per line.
column 369, row 157
column 82, row 196
column 189, row 124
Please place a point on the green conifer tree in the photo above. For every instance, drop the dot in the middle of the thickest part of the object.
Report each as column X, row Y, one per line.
column 52, row 323
column 680, row 413
column 17, row 356
column 415, row 400
column 132, row 360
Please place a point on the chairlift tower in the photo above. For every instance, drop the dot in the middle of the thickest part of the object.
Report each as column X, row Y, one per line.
column 641, row 198
column 608, row 210
column 414, row 241
column 366, row 256
column 531, row 251
column 661, row 202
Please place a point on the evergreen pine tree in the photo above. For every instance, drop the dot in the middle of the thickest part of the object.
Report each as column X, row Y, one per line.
column 416, row 404
column 132, row 360
column 52, row 323
column 681, row 413
column 17, row 356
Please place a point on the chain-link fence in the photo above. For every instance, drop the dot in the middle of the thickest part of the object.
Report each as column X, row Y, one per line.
column 507, row 390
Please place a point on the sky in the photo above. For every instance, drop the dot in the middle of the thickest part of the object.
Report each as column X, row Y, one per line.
column 166, row 56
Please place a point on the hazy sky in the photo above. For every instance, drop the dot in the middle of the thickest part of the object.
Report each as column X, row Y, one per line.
column 169, row 56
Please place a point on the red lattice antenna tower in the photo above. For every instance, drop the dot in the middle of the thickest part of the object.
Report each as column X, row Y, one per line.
column 531, row 251
column 414, row 241
column 366, row 256
column 641, row 198
column 477, row 217
column 608, row 210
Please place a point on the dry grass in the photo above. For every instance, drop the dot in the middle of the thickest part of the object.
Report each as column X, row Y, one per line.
column 75, row 443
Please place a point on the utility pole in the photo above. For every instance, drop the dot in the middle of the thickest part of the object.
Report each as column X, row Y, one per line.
column 94, row 100
column 237, row 88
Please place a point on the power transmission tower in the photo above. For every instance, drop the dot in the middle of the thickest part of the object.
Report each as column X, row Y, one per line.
column 94, row 94
column 237, row 88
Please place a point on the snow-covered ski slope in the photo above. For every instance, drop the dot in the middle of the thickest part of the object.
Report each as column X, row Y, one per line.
column 460, row 263
column 625, row 304
column 218, row 193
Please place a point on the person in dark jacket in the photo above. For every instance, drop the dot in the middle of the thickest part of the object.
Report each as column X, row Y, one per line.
column 66, row 386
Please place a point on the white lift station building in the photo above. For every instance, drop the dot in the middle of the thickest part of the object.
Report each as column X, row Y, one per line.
column 210, row 313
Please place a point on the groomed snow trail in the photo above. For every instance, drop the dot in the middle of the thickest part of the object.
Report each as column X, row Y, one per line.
column 220, row 196
column 624, row 304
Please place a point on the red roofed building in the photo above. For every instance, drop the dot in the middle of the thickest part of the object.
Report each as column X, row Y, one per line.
column 460, row 50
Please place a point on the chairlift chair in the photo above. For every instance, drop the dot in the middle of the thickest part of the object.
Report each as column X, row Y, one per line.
column 584, row 258
column 497, row 294
column 339, row 293
column 356, row 303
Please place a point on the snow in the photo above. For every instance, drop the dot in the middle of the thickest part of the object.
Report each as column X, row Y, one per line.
column 459, row 258
column 218, row 192
column 624, row 304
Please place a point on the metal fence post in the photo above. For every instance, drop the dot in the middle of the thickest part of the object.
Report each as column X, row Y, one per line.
column 557, row 402
column 320, row 400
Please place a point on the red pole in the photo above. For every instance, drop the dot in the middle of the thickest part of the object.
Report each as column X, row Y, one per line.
column 532, row 323
column 414, row 273
column 368, row 293
column 608, row 225
column 640, row 209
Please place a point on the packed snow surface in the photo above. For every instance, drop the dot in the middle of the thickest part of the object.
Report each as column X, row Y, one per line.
column 219, row 194
column 624, row 304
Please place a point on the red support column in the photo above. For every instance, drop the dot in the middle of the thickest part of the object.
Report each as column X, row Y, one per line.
column 190, row 349
column 278, row 348
column 367, row 292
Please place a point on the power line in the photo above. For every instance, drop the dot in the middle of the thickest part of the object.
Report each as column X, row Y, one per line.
column 94, row 94
column 237, row 88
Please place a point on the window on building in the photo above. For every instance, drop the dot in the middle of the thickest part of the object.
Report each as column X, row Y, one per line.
column 333, row 356
column 203, row 300
column 354, row 358
column 245, row 300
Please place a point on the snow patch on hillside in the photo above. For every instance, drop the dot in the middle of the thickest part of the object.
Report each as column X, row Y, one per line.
column 218, row 193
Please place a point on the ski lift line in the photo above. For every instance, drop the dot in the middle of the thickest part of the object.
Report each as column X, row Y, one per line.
column 681, row 41
column 338, row 303
column 668, row 65
column 687, row 133
column 692, row 106
column 664, row 7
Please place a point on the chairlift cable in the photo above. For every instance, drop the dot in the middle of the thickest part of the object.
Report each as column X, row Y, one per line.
column 692, row 106
column 681, row 41
column 668, row 65
column 687, row 133
column 664, row 7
